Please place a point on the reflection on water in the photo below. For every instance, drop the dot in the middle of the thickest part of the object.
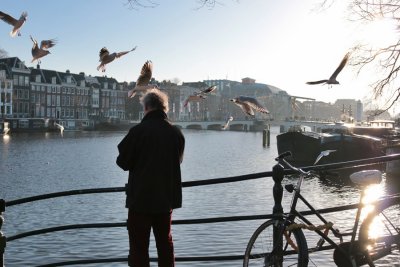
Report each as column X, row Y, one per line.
column 35, row 164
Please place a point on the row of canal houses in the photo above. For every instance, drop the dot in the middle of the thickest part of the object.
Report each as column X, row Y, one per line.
column 37, row 98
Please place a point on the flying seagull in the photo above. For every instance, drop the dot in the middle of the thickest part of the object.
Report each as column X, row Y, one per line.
column 332, row 79
column 106, row 57
column 142, row 83
column 197, row 96
column 192, row 98
column 323, row 154
column 224, row 127
column 16, row 23
column 249, row 104
column 39, row 52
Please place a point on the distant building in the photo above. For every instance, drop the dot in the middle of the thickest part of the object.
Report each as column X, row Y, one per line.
column 19, row 73
column 6, row 92
column 273, row 98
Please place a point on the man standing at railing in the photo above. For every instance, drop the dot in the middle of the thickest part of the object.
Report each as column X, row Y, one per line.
column 152, row 152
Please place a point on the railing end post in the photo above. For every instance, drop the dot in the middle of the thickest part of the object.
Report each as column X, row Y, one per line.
column 2, row 205
column 277, row 176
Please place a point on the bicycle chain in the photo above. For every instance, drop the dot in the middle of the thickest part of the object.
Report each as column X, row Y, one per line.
column 294, row 226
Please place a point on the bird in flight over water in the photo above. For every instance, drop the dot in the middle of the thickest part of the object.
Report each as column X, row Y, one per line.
column 249, row 104
column 142, row 84
column 39, row 52
column 16, row 23
column 332, row 79
column 106, row 57
column 225, row 126
column 324, row 153
column 197, row 96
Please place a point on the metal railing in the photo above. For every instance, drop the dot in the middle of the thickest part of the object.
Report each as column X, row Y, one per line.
column 277, row 175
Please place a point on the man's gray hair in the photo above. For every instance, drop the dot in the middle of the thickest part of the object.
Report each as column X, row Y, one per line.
column 156, row 100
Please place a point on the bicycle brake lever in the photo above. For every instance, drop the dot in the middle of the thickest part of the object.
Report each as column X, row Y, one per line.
column 283, row 155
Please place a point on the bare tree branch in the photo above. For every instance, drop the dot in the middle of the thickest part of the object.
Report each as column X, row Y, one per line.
column 137, row 4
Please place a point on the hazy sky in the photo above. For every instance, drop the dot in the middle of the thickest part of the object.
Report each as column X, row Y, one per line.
column 282, row 43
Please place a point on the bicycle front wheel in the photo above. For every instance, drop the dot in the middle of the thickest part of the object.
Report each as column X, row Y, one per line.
column 260, row 250
column 380, row 232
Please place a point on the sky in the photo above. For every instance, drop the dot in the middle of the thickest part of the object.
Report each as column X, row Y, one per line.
column 282, row 43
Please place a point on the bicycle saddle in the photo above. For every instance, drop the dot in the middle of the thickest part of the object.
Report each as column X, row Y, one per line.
column 366, row 177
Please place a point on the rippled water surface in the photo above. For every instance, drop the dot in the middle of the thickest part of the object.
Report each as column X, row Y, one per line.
column 40, row 163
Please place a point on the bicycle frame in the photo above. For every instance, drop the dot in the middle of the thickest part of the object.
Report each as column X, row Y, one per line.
column 289, row 219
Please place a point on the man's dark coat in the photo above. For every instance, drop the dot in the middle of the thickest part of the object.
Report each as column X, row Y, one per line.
column 152, row 152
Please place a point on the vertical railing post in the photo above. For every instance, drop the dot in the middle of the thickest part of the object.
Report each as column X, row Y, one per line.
column 277, row 210
column 277, row 176
column 2, row 237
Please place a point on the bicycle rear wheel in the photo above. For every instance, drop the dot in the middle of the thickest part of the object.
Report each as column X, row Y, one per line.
column 380, row 232
column 261, row 252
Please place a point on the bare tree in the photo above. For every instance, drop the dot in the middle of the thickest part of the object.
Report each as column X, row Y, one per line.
column 137, row 4
column 384, row 59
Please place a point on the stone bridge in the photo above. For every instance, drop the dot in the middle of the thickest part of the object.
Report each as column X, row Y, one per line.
column 217, row 125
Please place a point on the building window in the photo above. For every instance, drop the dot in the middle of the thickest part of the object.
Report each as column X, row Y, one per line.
column 26, row 80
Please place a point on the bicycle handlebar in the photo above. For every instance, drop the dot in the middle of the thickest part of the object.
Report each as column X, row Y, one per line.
column 281, row 158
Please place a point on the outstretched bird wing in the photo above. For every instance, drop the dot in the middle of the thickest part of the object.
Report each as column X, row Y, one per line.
column 120, row 54
column 246, row 108
column 195, row 97
column 46, row 44
column 209, row 89
column 145, row 74
column 340, row 67
column 317, row 82
column 7, row 18
column 252, row 102
column 35, row 43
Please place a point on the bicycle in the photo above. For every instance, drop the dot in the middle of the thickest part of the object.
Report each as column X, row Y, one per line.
column 280, row 241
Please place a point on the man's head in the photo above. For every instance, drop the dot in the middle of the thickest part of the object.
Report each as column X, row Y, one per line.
column 155, row 100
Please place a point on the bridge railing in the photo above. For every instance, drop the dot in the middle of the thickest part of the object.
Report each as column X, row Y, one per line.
column 277, row 174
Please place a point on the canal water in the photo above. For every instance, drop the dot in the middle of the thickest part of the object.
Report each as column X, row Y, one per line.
column 40, row 163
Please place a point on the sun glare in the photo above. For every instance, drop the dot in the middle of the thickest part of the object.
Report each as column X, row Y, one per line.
column 371, row 194
column 379, row 33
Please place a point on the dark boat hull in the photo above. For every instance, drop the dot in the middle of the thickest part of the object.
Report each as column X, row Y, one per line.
column 306, row 146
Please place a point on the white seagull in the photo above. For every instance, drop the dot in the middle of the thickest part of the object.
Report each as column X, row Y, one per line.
column 39, row 52
column 16, row 23
column 106, row 57
column 332, row 79
column 142, row 84
column 249, row 104
column 224, row 127
column 323, row 154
